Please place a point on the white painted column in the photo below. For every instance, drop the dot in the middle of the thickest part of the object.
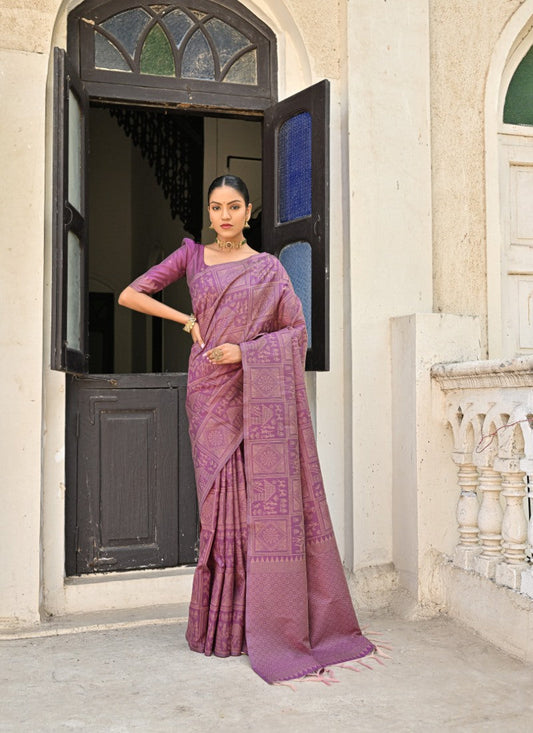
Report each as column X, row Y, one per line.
column 22, row 87
column 390, row 238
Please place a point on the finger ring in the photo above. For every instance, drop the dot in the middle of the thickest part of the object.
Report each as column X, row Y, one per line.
column 217, row 354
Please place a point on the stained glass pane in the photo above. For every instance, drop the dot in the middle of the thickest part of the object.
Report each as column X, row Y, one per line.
column 107, row 56
column 73, row 292
column 178, row 23
column 228, row 41
column 294, row 164
column 74, row 151
column 156, row 56
column 518, row 108
column 244, row 70
column 296, row 258
column 198, row 60
column 127, row 27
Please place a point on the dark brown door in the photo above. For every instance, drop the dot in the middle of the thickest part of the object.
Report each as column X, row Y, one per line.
column 131, row 452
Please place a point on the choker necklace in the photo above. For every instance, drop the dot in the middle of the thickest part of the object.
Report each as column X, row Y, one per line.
column 229, row 245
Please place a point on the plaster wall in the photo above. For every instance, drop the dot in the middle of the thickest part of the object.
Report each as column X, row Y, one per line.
column 460, row 60
column 389, row 234
column 22, row 83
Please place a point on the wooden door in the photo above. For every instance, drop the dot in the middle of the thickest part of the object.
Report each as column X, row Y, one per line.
column 128, row 451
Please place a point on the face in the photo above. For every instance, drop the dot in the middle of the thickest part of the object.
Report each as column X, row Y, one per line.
column 228, row 212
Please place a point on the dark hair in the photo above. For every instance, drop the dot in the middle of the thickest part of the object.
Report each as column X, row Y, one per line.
column 233, row 182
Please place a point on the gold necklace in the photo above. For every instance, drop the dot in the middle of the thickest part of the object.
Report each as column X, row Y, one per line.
column 229, row 245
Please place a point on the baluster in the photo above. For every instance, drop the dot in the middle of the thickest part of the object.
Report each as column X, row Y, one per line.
column 467, row 513
column 514, row 524
column 526, row 585
column 489, row 522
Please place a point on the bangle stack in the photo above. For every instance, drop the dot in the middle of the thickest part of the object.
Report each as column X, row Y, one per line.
column 190, row 323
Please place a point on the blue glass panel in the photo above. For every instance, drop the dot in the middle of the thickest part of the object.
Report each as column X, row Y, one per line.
column 198, row 60
column 294, row 167
column 297, row 260
column 107, row 56
column 178, row 23
column 127, row 27
column 228, row 41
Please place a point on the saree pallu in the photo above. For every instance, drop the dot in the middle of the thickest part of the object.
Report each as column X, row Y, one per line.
column 269, row 579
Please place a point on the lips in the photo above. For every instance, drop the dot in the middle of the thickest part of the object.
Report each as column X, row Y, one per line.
column 226, row 226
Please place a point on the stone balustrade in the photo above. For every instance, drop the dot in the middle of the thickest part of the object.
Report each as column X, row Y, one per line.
column 489, row 406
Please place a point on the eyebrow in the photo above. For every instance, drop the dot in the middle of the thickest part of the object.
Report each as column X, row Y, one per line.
column 235, row 201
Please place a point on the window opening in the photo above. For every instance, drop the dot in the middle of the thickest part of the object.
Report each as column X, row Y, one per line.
column 518, row 109
column 172, row 145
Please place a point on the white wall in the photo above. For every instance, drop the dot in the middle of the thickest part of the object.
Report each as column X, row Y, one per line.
column 22, row 89
column 390, row 235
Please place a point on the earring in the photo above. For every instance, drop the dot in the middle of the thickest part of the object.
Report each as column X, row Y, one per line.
column 211, row 225
column 246, row 225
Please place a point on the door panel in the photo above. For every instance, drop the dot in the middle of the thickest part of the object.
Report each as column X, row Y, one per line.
column 69, row 268
column 296, row 205
column 128, row 461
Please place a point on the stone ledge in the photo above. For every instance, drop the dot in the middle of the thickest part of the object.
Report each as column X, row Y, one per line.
column 516, row 372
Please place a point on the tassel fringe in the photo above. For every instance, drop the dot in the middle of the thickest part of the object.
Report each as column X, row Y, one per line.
column 327, row 675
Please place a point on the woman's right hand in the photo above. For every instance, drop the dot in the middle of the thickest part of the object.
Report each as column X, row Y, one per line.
column 197, row 336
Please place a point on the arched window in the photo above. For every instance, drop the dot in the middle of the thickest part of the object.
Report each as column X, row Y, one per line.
column 518, row 109
column 178, row 52
column 516, row 196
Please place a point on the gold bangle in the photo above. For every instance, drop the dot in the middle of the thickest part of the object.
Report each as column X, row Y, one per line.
column 190, row 323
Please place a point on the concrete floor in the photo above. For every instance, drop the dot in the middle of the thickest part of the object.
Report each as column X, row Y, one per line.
column 141, row 677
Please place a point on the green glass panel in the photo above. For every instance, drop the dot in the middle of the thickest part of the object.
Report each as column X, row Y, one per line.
column 244, row 70
column 127, row 27
column 228, row 41
column 74, row 151
column 156, row 56
column 178, row 23
column 518, row 108
column 73, row 292
column 107, row 56
column 198, row 60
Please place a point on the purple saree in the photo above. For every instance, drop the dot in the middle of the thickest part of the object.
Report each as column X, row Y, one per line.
column 269, row 579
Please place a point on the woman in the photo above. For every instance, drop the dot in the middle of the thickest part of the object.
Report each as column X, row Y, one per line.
column 269, row 580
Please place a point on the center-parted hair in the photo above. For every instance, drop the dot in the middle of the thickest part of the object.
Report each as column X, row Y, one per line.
column 233, row 182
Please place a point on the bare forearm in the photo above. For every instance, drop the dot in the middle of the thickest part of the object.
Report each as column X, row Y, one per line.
column 143, row 303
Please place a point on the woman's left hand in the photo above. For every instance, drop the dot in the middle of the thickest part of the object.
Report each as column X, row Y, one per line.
column 225, row 354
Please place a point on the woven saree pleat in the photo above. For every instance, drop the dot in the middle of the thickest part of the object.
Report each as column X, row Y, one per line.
column 216, row 614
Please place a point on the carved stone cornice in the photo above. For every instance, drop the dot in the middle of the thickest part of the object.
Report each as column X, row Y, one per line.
column 516, row 372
